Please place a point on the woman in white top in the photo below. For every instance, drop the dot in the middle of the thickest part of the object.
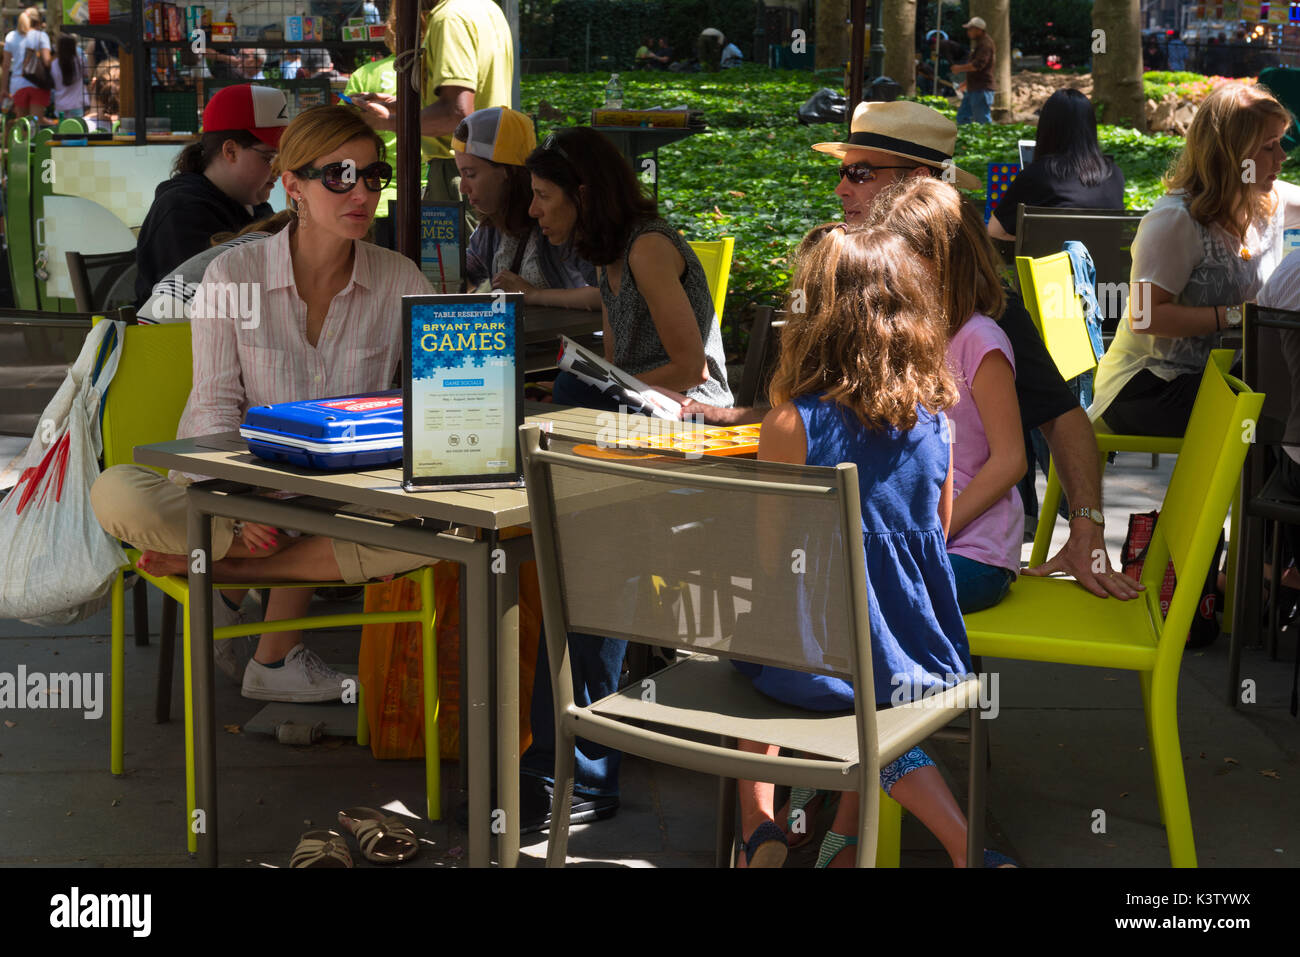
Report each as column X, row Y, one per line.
column 29, row 99
column 69, row 72
column 318, row 314
column 1206, row 247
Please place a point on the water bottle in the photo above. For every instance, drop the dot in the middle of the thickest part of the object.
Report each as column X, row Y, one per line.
column 614, row 93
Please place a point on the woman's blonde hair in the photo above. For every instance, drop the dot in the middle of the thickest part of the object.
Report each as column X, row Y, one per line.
column 864, row 328
column 30, row 17
column 1229, row 127
column 321, row 130
column 945, row 229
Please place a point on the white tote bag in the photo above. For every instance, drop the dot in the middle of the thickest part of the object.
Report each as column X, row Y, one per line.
column 56, row 562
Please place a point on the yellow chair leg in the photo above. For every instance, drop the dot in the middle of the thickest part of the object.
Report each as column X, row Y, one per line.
column 1171, row 784
column 1046, row 518
column 432, row 747
column 117, row 678
column 191, row 838
column 1144, row 677
column 889, row 847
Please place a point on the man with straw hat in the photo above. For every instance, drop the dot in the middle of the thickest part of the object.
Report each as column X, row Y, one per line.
column 886, row 142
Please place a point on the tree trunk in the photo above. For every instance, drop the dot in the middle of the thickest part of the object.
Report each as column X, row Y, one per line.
column 1117, row 63
column 900, row 43
column 997, row 14
column 832, row 37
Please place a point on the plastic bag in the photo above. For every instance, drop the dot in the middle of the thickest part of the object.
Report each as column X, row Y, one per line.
column 390, row 668
column 56, row 563
column 824, row 106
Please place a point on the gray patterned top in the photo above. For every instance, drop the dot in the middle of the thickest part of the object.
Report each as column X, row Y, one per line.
column 1204, row 266
column 636, row 341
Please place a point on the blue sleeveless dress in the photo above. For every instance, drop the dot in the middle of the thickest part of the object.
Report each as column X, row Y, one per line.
column 918, row 638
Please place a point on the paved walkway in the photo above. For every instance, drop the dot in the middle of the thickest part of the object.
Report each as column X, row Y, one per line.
column 1069, row 743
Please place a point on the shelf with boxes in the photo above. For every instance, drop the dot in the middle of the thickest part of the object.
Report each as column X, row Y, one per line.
column 262, row 21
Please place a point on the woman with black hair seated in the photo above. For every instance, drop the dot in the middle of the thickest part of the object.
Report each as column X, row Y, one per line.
column 659, row 320
column 1069, row 170
column 219, row 184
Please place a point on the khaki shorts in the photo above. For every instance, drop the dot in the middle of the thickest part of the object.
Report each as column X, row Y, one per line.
column 139, row 506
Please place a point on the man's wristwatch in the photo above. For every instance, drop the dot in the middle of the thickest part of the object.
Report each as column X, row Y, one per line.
column 1232, row 316
column 1092, row 514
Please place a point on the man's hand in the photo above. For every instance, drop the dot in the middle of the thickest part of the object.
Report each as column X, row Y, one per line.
column 716, row 415
column 1085, row 558
column 379, row 110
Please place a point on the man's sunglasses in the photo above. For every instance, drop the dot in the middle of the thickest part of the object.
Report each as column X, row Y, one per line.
column 864, row 172
column 341, row 177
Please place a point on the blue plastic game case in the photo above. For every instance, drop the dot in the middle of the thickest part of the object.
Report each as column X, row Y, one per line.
column 347, row 432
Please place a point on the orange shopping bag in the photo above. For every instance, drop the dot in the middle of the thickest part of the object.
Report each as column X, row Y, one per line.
column 391, row 673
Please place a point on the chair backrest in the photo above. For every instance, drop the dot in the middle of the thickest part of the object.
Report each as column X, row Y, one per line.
column 102, row 280
column 738, row 558
column 753, row 382
column 148, row 392
column 1270, row 349
column 1047, row 285
column 1108, row 234
column 1205, row 476
column 715, row 257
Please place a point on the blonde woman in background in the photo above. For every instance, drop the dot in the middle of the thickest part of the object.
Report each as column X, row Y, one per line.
column 1207, row 246
column 28, row 98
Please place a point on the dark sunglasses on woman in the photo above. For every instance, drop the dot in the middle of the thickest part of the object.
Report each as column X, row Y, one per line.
column 341, row 177
column 860, row 173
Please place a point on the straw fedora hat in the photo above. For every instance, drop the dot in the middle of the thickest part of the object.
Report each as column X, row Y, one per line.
column 904, row 129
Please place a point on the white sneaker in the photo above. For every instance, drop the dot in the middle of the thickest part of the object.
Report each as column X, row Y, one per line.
column 232, row 655
column 302, row 677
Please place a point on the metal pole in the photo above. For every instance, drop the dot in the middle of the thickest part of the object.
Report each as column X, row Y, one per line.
column 858, row 15
column 511, row 10
column 877, row 38
column 938, row 29
column 408, row 133
column 587, row 62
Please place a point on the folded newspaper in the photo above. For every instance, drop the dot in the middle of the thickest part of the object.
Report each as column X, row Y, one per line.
column 615, row 383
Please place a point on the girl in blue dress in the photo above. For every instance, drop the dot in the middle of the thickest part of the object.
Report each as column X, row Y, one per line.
column 863, row 378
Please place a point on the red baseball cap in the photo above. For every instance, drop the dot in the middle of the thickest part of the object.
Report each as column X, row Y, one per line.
column 261, row 110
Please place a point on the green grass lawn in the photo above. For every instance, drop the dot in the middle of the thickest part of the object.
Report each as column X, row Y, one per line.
column 754, row 176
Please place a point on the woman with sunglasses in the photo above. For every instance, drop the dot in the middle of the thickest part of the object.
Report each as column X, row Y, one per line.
column 660, row 325
column 318, row 314
column 219, row 184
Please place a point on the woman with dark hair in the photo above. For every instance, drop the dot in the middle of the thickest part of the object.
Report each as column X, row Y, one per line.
column 660, row 325
column 219, row 184
column 69, row 72
column 508, row 250
column 1068, row 171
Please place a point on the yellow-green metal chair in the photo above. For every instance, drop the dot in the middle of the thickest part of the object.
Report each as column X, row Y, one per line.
column 143, row 406
column 715, row 257
column 1047, row 285
column 1046, row 619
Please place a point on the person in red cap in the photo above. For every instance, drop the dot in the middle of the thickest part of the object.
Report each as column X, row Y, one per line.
column 219, row 184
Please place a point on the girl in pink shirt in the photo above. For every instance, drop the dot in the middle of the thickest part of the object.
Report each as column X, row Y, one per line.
column 988, row 459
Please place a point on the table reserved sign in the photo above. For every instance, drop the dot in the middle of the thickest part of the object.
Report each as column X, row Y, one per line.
column 463, row 390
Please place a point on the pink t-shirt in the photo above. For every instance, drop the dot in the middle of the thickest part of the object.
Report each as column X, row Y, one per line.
column 994, row 537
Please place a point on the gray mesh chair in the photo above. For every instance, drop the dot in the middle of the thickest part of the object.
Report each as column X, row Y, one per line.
column 720, row 558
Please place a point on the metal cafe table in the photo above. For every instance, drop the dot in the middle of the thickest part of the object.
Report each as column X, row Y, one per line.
column 463, row 527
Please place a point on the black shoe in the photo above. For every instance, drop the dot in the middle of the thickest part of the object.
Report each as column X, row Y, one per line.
column 535, row 798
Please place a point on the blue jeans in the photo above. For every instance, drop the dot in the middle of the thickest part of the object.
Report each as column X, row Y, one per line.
column 979, row 586
column 596, row 664
column 976, row 107
column 570, row 390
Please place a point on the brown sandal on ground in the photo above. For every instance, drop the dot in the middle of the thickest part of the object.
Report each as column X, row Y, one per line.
column 321, row 848
column 383, row 838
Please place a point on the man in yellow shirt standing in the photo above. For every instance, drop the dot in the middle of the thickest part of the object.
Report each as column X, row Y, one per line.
column 469, row 64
